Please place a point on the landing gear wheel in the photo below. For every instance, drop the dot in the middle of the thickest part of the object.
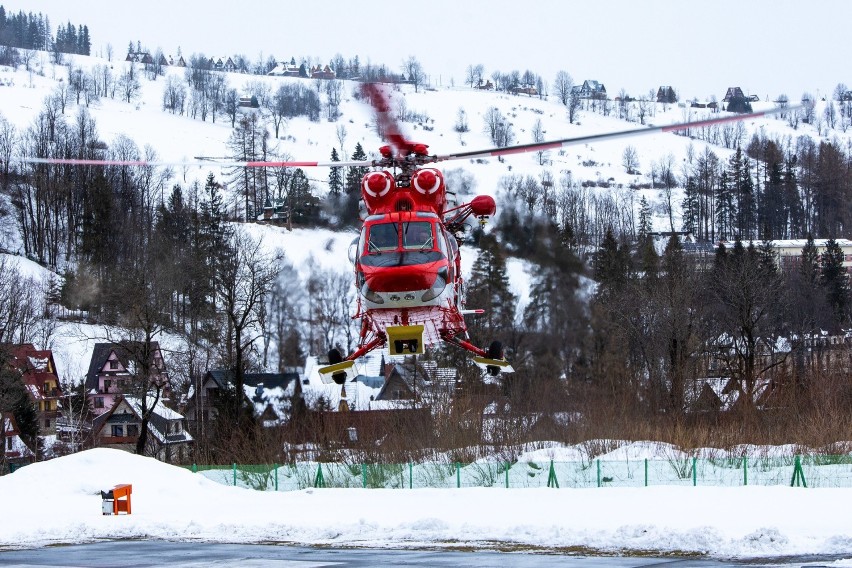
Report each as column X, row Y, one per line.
column 495, row 351
column 334, row 357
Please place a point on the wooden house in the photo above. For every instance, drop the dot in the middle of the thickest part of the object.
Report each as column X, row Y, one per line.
column 14, row 448
column 139, row 57
column 326, row 72
column 119, row 427
column 38, row 371
column 268, row 393
column 666, row 94
column 590, row 89
column 733, row 93
column 116, row 368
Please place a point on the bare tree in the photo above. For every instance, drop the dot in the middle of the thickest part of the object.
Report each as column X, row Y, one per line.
column 538, row 137
column 630, row 160
column 562, row 86
column 414, row 72
column 245, row 274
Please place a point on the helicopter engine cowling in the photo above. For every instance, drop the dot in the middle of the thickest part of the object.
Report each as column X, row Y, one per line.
column 429, row 188
column 375, row 189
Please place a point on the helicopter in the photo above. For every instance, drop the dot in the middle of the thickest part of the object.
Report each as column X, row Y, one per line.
column 407, row 263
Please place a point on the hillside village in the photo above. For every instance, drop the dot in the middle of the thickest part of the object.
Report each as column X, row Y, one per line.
column 698, row 279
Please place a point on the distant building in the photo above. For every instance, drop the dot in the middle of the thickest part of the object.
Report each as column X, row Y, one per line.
column 119, row 428
column 666, row 94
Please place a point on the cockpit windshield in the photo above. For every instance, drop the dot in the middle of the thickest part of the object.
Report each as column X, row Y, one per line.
column 384, row 237
column 417, row 235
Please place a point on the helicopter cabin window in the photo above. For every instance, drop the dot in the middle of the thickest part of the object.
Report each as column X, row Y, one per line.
column 383, row 237
column 418, row 235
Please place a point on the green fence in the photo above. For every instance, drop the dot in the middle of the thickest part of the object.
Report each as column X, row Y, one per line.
column 805, row 471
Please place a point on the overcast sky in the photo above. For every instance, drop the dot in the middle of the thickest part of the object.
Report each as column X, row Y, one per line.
column 700, row 48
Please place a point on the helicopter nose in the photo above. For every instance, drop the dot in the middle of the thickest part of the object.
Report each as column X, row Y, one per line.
column 391, row 280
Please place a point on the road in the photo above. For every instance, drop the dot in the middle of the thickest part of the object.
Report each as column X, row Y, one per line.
column 142, row 553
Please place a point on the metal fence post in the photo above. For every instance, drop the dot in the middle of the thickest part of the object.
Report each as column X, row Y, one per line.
column 745, row 470
column 410, row 475
column 694, row 471
column 194, row 468
column 235, row 474
column 458, row 475
column 599, row 472
column 507, row 474
column 363, row 476
column 275, row 466
column 646, row 472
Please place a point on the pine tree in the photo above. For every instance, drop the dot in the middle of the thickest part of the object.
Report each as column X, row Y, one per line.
column 691, row 203
column 835, row 281
column 356, row 173
column 648, row 258
column 335, row 182
column 488, row 289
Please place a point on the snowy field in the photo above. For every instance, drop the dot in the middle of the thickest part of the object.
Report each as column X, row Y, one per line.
column 59, row 502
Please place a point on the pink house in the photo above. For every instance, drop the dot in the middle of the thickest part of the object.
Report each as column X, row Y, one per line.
column 116, row 368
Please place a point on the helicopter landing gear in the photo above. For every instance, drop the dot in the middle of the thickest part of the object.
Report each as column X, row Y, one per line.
column 495, row 351
column 334, row 357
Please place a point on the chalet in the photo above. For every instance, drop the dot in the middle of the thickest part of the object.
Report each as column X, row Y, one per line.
column 269, row 393
column 531, row 91
column 326, row 72
column 14, row 448
column 422, row 383
column 179, row 62
column 38, row 371
column 116, row 368
column 140, row 57
column 285, row 69
column 119, row 427
column 733, row 93
column 225, row 64
column 590, row 90
column 666, row 94
column 704, row 104
column 487, row 86
column 275, row 211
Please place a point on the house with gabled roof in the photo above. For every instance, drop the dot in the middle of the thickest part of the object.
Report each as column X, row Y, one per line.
column 38, row 371
column 139, row 57
column 666, row 94
column 115, row 369
column 590, row 89
column 119, row 427
column 14, row 448
column 325, row 72
column 733, row 93
column 269, row 394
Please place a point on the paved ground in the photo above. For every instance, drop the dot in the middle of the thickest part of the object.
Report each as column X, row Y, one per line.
column 139, row 553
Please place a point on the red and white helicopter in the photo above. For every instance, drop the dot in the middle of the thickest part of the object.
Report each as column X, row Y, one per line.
column 407, row 260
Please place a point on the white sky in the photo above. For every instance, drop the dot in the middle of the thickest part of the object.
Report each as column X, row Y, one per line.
column 175, row 504
column 700, row 48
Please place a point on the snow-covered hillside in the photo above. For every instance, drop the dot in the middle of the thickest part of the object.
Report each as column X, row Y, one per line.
column 177, row 138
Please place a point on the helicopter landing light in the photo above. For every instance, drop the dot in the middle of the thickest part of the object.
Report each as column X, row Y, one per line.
column 405, row 339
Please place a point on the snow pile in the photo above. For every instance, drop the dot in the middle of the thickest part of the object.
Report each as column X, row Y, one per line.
column 59, row 501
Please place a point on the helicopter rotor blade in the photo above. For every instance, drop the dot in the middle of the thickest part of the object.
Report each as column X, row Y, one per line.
column 554, row 144
column 388, row 126
column 199, row 161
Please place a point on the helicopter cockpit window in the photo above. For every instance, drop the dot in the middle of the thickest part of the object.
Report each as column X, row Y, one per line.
column 383, row 237
column 417, row 235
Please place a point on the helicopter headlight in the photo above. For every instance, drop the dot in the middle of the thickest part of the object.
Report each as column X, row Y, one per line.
column 370, row 295
column 437, row 288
